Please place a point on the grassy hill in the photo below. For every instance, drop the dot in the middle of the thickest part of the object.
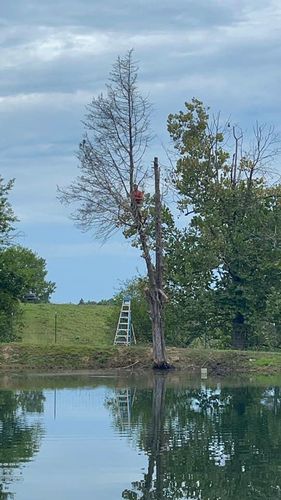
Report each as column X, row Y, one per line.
column 84, row 324
column 85, row 342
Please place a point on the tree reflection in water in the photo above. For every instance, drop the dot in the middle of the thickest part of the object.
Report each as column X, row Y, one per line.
column 19, row 437
column 207, row 443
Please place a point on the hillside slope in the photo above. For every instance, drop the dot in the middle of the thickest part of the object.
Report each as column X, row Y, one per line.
column 78, row 324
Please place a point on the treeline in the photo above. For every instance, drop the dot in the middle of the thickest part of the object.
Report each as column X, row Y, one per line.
column 223, row 266
column 102, row 302
column 22, row 272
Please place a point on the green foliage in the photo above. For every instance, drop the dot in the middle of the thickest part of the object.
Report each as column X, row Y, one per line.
column 10, row 315
column 178, row 331
column 147, row 216
column 224, row 268
column 9, row 309
column 23, row 271
column 7, row 216
column 135, row 288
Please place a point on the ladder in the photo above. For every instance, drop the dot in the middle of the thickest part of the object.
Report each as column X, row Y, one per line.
column 124, row 402
column 125, row 334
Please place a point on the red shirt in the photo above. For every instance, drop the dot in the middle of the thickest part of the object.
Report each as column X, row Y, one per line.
column 138, row 196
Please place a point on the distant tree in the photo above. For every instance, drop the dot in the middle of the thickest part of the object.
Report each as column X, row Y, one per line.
column 7, row 216
column 8, row 305
column 112, row 167
column 105, row 302
column 22, row 271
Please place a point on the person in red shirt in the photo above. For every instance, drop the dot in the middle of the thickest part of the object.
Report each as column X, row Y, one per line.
column 137, row 195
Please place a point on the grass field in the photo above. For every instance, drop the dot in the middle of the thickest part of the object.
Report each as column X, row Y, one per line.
column 83, row 324
column 84, row 340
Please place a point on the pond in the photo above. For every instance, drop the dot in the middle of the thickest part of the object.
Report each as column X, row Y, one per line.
column 140, row 437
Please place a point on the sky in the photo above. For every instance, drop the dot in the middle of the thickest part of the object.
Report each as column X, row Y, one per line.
column 56, row 55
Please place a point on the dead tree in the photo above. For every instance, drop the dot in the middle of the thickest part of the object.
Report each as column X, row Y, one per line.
column 111, row 157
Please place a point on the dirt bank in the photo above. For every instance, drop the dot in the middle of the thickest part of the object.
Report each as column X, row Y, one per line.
column 18, row 357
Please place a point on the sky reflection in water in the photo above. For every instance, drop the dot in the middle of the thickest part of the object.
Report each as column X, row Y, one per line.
column 107, row 439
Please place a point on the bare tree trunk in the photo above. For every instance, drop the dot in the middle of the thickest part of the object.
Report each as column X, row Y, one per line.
column 156, row 294
column 239, row 332
column 111, row 158
column 159, row 349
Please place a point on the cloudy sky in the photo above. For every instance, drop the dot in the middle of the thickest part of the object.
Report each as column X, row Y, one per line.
column 56, row 54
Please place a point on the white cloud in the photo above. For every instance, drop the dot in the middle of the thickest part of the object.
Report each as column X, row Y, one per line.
column 49, row 44
column 56, row 100
column 54, row 56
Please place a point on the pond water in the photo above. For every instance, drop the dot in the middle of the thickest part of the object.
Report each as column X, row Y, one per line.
column 155, row 437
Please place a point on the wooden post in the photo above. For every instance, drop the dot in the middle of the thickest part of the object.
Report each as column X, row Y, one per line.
column 56, row 318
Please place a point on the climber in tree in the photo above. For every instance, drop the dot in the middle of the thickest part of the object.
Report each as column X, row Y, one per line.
column 137, row 195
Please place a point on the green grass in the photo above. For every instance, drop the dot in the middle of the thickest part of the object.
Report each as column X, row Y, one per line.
column 268, row 360
column 83, row 324
column 85, row 341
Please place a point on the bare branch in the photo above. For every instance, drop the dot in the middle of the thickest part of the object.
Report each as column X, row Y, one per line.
column 111, row 153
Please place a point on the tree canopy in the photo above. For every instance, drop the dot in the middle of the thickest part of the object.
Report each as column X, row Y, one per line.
column 21, row 270
column 231, row 243
column 222, row 267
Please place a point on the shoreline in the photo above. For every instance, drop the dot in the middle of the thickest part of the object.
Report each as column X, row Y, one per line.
column 56, row 358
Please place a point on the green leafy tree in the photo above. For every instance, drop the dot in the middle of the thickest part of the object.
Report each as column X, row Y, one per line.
column 7, row 216
column 232, row 242
column 22, row 271
column 8, row 305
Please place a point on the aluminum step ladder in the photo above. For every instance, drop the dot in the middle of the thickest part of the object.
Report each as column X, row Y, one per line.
column 124, row 402
column 125, row 334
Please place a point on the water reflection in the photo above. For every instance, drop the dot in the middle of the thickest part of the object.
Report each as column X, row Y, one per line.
column 19, row 436
column 93, row 437
column 121, row 406
column 207, row 442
